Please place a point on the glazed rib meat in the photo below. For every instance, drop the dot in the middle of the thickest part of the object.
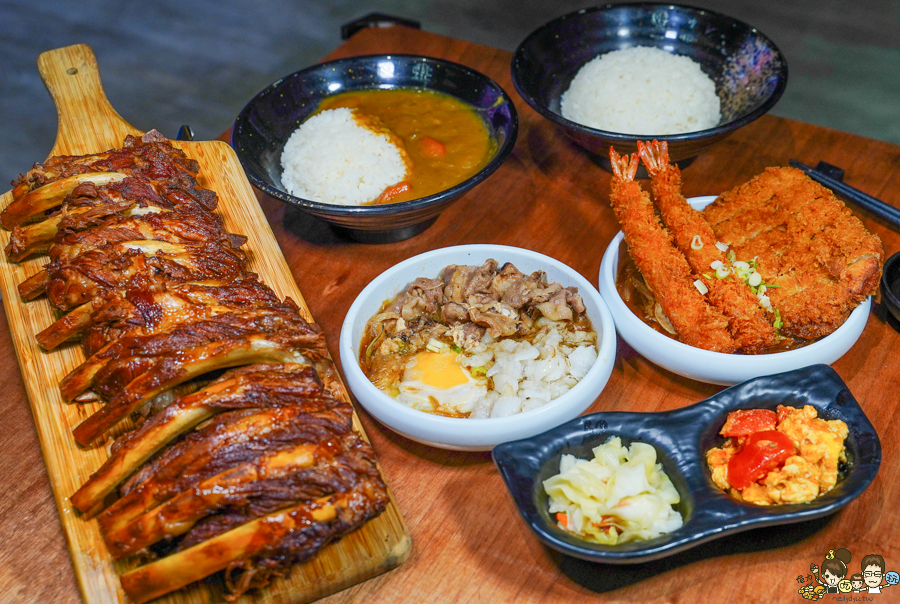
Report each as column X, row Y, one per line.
column 255, row 386
column 807, row 242
column 241, row 466
column 134, row 369
column 313, row 461
column 71, row 283
column 180, row 225
column 240, row 427
column 252, row 553
column 44, row 187
column 89, row 204
column 116, row 312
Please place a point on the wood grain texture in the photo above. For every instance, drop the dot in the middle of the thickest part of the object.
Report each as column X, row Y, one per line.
column 87, row 123
column 470, row 546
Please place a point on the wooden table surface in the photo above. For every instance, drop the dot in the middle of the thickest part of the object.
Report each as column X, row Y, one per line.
column 469, row 544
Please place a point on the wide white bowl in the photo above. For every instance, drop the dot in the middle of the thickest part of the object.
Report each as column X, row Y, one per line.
column 473, row 434
column 717, row 367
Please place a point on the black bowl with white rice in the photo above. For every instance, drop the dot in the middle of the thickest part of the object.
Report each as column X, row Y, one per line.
column 647, row 98
column 264, row 126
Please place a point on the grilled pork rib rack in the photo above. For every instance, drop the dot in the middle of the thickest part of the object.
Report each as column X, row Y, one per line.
column 254, row 471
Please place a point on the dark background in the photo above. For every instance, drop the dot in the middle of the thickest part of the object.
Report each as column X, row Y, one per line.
column 172, row 62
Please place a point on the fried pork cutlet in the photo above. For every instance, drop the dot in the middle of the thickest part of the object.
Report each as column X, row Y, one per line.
column 807, row 242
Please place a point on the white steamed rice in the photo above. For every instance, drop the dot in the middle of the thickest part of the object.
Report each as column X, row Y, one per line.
column 528, row 375
column 644, row 91
column 331, row 158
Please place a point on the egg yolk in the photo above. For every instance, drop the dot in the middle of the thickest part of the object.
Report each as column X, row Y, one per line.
column 437, row 369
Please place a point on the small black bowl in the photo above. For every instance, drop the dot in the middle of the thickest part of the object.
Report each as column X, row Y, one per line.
column 681, row 439
column 749, row 71
column 890, row 285
column 264, row 125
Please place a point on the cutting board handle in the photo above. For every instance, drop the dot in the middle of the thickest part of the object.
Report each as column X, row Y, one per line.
column 87, row 121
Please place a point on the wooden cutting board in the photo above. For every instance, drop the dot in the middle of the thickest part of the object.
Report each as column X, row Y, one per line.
column 89, row 124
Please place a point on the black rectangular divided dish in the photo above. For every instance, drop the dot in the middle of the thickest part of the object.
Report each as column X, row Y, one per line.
column 681, row 438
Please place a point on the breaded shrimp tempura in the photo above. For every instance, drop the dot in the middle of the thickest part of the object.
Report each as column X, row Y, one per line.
column 747, row 320
column 664, row 268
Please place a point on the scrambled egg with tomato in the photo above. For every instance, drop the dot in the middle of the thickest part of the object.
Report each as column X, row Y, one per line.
column 788, row 456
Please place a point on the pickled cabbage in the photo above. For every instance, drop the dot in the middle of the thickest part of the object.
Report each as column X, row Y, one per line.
column 620, row 495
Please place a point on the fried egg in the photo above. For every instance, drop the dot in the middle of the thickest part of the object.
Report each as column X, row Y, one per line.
column 434, row 382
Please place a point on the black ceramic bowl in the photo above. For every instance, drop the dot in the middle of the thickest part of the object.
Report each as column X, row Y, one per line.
column 264, row 125
column 890, row 285
column 749, row 71
column 681, row 439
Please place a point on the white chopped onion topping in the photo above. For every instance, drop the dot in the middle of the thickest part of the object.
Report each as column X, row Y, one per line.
column 697, row 243
column 754, row 279
column 715, row 264
column 722, row 272
column 701, row 287
column 723, row 247
column 435, row 345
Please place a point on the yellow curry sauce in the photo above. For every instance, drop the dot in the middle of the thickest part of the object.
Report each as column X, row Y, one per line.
column 445, row 139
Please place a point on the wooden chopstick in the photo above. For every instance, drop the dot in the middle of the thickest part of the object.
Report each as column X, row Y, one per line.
column 884, row 211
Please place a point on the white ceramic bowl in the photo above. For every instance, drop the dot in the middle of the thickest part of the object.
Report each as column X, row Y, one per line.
column 717, row 367
column 473, row 434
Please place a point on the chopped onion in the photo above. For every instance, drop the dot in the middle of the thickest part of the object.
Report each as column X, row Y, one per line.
column 755, row 279
column 697, row 243
column 715, row 264
column 701, row 287
column 723, row 247
column 722, row 272
column 435, row 345
column 619, row 487
column 663, row 319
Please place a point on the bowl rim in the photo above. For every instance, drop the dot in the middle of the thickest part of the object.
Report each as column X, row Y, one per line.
column 759, row 365
column 325, row 209
column 619, row 137
column 480, row 429
column 885, row 283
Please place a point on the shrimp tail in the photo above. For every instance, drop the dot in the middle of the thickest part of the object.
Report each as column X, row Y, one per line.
column 624, row 166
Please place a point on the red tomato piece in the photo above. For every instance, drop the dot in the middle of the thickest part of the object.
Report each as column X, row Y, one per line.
column 747, row 421
column 763, row 452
